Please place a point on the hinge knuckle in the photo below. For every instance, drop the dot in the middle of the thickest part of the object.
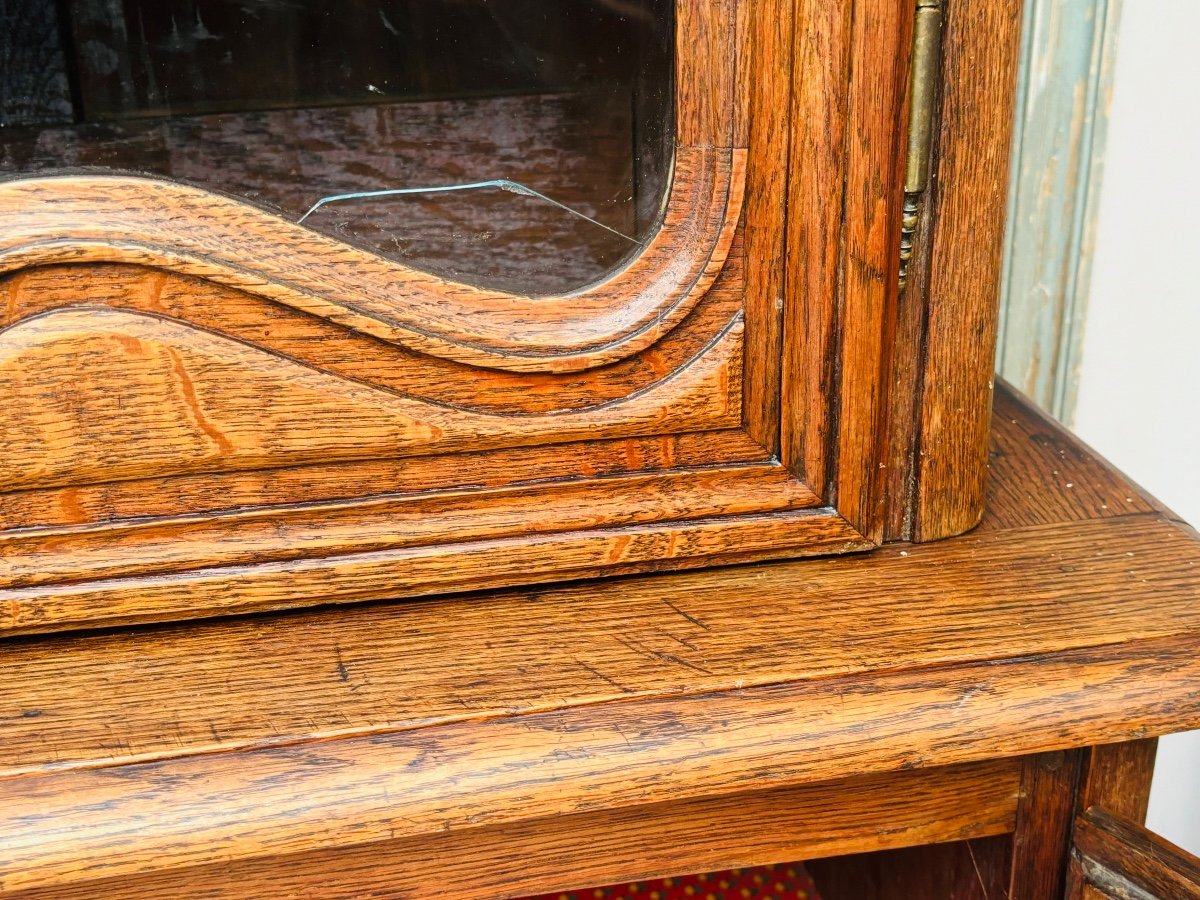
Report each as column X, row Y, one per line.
column 924, row 76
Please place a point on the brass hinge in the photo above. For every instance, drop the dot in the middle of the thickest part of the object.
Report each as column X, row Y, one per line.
column 923, row 90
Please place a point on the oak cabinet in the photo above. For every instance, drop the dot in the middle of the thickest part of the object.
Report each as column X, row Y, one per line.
column 319, row 303
column 689, row 344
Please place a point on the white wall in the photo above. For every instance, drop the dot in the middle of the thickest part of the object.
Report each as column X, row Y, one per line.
column 1139, row 397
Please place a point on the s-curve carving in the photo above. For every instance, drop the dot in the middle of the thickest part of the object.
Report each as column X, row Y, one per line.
column 161, row 397
column 73, row 219
column 184, row 229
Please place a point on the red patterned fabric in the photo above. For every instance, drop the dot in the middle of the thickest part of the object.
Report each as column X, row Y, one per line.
column 784, row 882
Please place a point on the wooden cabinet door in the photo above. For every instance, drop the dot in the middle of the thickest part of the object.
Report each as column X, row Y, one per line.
column 207, row 408
column 1116, row 858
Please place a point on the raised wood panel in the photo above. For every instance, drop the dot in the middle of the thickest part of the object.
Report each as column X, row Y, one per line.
column 145, row 222
column 164, row 398
column 335, row 348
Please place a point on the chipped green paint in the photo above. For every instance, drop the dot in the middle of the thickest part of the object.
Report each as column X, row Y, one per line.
column 1064, row 91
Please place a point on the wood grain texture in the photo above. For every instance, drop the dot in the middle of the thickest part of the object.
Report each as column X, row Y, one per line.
column 74, row 219
column 340, row 350
column 1118, row 858
column 787, row 624
column 1117, row 777
column 50, row 556
column 345, row 427
column 907, row 373
column 245, row 369
column 351, row 577
column 880, row 43
column 816, row 185
column 185, row 809
column 967, row 209
column 554, row 467
column 163, row 398
column 1078, row 589
column 291, row 746
column 1039, row 472
column 575, row 852
column 764, row 86
column 1042, row 838
column 117, row 219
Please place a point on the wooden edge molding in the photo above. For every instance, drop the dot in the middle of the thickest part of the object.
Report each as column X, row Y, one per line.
column 566, row 853
column 120, row 549
column 160, row 224
column 424, row 570
column 438, row 780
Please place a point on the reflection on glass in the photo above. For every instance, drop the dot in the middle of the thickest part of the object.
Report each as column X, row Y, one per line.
column 559, row 112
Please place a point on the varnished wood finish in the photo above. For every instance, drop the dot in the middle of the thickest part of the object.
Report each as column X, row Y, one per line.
column 307, row 746
column 765, row 124
column 1117, row 858
column 273, row 418
column 816, row 183
column 1117, row 777
column 575, row 852
column 881, row 33
column 966, row 210
column 1043, row 834
column 1040, row 473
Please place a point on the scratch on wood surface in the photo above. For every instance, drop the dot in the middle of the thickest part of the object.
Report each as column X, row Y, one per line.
column 692, row 619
